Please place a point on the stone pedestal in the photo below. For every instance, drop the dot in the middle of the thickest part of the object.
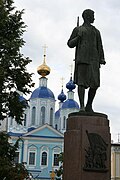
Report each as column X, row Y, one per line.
column 87, row 147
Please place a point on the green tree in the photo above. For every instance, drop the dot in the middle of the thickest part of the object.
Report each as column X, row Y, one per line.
column 13, row 64
column 59, row 172
column 10, row 170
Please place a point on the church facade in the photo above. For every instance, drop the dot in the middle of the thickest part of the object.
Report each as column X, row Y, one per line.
column 42, row 132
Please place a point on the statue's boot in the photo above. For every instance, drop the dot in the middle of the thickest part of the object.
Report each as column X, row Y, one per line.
column 81, row 94
column 82, row 109
column 91, row 95
column 88, row 108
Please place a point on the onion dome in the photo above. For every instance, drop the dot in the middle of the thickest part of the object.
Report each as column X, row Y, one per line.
column 57, row 114
column 23, row 100
column 43, row 69
column 42, row 92
column 62, row 96
column 70, row 103
column 70, row 85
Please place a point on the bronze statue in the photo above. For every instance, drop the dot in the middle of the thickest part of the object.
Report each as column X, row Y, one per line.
column 88, row 57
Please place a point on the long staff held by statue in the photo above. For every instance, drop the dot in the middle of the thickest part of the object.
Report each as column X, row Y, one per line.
column 78, row 21
column 76, row 47
column 77, row 26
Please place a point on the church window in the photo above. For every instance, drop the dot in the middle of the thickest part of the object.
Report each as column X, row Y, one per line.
column 44, row 159
column 56, row 152
column 56, row 160
column 32, row 151
column 56, row 126
column 16, row 158
column 43, row 115
column 51, row 116
column 31, row 158
column 64, row 122
column 33, row 115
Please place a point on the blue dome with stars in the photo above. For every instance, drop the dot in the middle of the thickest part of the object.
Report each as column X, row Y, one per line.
column 70, row 85
column 42, row 92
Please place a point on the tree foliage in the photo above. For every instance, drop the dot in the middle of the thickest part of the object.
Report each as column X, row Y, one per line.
column 59, row 172
column 13, row 64
column 10, row 170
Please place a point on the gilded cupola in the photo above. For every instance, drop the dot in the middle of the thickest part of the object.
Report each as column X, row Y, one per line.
column 43, row 69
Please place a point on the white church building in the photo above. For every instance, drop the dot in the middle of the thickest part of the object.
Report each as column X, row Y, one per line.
column 42, row 132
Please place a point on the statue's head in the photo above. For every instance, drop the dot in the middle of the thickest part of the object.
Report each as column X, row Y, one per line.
column 88, row 15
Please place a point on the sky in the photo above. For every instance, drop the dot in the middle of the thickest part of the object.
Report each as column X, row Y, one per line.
column 51, row 22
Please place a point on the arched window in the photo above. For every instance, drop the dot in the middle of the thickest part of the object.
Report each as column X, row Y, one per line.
column 33, row 115
column 56, row 153
column 56, row 126
column 44, row 159
column 17, row 156
column 32, row 152
column 64, row 122
column 43, row 115
column 51, row 116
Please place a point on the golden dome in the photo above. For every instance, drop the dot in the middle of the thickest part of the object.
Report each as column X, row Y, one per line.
column 43, row 69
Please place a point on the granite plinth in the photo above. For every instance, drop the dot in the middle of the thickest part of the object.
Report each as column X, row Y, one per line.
column 87, row 147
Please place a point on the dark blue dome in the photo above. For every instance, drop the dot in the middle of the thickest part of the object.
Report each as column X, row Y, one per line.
column 57, row 114
column 62, row 96
column 23, row 100
column 70, row 85
column 70, row 103
column 42, row 92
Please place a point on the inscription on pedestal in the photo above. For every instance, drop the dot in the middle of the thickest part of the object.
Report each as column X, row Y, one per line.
column 96, row 153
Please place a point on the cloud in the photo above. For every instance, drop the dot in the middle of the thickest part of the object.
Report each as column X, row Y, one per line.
column 51, row 22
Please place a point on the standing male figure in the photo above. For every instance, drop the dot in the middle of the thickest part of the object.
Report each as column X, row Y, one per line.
column 88, row 57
